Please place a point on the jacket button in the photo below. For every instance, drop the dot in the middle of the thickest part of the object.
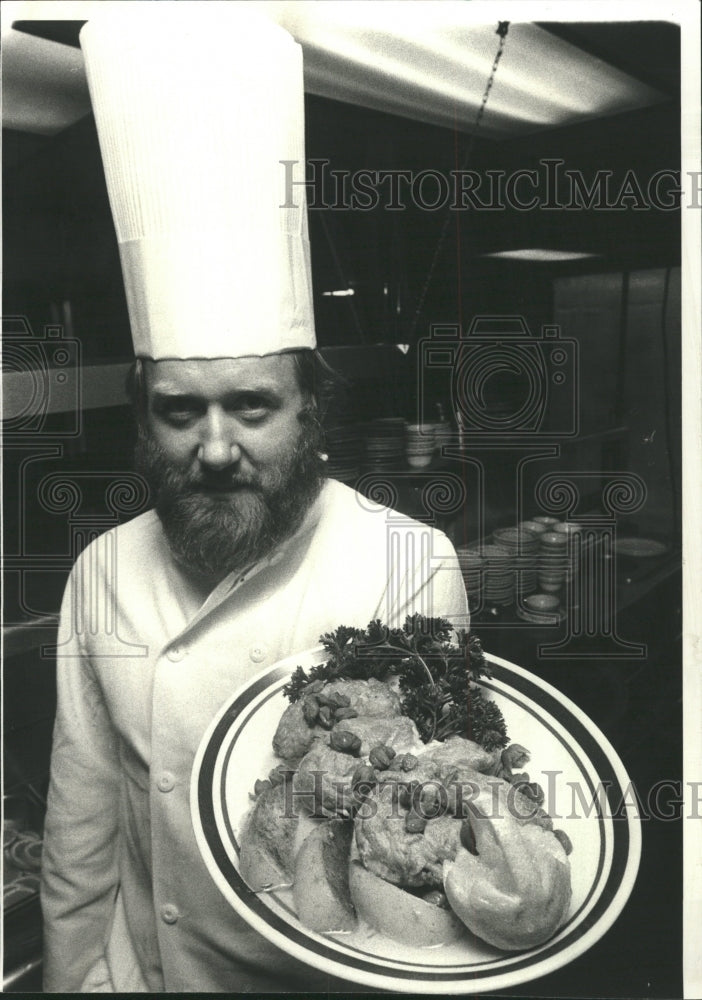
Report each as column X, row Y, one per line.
column 175, row 653
column 258, row 653
column 165, row 781
column 169, row 913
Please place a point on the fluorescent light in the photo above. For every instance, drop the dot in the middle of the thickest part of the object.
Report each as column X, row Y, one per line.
column 340, row 292
column 430, row 61
column 539, row 254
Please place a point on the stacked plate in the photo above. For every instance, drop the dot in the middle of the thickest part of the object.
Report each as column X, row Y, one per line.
column 523, row 546
column 499, row 574
column 473, row 571
column 540, row 609
column 568, row 529
column 420, row 444
column 443, row 434
column 385, row 444
column 552, row 561
column 534, row 526
column 344, row 448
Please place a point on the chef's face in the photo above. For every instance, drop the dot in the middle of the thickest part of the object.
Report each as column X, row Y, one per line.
column 226, row 421
column 230, row 448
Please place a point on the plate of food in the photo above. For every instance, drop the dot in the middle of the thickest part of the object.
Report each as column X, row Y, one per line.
column 398, row 809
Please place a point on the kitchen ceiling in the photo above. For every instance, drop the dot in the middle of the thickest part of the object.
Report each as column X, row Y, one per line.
column 428, row 61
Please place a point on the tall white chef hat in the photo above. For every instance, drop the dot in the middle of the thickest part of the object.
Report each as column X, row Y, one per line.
column 194, row 116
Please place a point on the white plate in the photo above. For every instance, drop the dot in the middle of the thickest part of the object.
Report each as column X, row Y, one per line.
column 639, row 547
column 587, row 793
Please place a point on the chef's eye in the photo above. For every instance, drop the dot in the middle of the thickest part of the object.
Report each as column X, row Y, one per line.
column 252, row 408
column 179, row 411
column 180, row 417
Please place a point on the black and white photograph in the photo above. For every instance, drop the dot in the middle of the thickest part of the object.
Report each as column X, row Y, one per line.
column 352, row 459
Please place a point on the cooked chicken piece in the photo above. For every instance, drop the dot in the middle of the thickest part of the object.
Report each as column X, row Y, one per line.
column 462, row 768
column 439, row 792
column 268, row 839
column 295, row 735
column 323, row 781
column 459, row 752
column 397, row 732
column 515, row 892
column 425, row 770
column 403, row 858
column 372, row 697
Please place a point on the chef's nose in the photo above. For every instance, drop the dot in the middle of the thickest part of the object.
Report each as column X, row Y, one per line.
column 218, row 449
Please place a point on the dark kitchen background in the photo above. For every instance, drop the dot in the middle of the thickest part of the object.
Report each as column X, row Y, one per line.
column 397, row 276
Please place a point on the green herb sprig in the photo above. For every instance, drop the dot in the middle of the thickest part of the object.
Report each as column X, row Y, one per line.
column 437, row 675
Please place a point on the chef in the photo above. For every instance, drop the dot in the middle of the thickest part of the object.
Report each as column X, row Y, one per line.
column 249, row 554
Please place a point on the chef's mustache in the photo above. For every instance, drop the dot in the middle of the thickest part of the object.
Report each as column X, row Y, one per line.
column 224, row 482
column 151, row 459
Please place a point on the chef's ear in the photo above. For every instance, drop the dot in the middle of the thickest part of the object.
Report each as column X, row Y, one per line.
column 319, row 383
column 135, row 387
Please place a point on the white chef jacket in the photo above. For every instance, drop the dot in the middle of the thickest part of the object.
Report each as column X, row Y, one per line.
column 143, row 666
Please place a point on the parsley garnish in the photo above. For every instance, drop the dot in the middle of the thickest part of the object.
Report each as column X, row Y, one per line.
column 437, row 675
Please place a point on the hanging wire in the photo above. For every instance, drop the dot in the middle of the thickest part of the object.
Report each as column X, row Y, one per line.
column 670, row 439
column 342, row 276
column 502, row 29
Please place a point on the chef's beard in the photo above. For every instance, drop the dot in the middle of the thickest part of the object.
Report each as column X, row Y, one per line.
column 211, row 535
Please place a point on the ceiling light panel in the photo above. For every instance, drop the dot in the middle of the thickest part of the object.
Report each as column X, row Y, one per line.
column 44, row 89
column 428, row 59
column 540, row 255
column 423, row 59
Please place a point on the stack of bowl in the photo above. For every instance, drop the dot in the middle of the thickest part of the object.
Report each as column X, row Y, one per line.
column 473, row 571
column 523, row 546
column 499, row 574
column 548, row 522
column 420, row 444
column 343, row 446
column 385, row 444
column 552, row 561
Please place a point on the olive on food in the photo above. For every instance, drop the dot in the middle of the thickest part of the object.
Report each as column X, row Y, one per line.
column 414, row 823
column 514, row 756
column 339, row 699
column 381, row 756
column 534, row 791
column 564, row 840
column 310, row 709
column 407, row 793
column 325, row 716
column 345, row 742
column 364, row 775
column 346, row 713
